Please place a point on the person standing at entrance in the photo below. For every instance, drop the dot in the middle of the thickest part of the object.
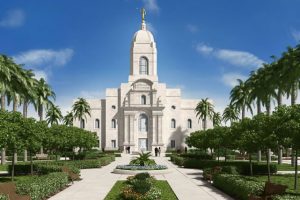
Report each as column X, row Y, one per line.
column 159, row 151
column 156, row 151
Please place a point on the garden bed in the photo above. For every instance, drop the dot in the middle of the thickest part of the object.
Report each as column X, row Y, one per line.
column 167, row 194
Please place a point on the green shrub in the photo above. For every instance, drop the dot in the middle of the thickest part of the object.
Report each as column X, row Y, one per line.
column 230, row 157
column 286, row 197
column 199, row 156
column 41, row 187
column 242, row 166
column 3, row 197
column 142, row 176
column 238, row 186
column 230, row 170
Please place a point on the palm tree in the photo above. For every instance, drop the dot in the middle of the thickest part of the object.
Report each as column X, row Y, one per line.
column 53, row 115
column 80, row 109
column 240, row 97
column 204, row 110
column 43, row 94
column 230, row 113
column 68, row 119
column 217, row 119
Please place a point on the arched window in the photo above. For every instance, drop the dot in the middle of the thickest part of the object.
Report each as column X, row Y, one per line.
column 82, row 123
column 173, row 123
column 113, row 123
column 97, row 123
column 189, row 123
column 143, row 66
column 143, row 100
column 143, row 123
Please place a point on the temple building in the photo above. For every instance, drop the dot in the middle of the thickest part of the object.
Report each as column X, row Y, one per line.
column 143, row 113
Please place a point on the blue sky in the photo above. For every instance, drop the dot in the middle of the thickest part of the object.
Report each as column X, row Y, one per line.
column 82, row 47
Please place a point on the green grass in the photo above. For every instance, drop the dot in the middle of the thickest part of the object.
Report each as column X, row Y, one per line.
column 4, row 179
column 167, row 192
column 3, row 167
column 287, row 180
column 285, row 167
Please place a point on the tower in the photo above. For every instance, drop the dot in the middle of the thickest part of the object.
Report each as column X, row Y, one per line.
column 143, row 54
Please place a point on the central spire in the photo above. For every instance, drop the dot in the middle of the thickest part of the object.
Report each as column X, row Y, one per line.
column 143, row 14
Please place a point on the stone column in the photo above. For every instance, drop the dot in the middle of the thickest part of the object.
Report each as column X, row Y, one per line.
column 131, row 129
column 126, row 129
column 154, row 129
column 159, row 129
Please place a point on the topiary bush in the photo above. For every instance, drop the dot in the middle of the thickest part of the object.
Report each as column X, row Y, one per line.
column 238, row 186
column 41, row 187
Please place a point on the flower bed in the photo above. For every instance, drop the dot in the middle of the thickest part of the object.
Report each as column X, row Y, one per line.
column 138, row 167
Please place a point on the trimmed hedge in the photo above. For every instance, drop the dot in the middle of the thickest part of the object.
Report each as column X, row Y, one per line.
column 237, row 186
column 55, row 166
column 200, row 156
column 41, row 187
column 3, row 197
column 242, row 166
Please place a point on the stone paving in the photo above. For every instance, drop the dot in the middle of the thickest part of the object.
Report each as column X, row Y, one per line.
column 96, row 183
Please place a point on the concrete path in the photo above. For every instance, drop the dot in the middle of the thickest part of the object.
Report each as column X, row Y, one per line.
column 96, row 183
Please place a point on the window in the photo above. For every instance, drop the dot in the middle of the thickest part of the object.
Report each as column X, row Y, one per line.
column 189, row 123
column 82, row 123
column 113, row 123
column 173, row 123
column 113, row 144
column 173, row 107
column 143, row 100
column 143, row 123
column 172, row 144
column 113, row 107
column 143, row 66
column 97, row 123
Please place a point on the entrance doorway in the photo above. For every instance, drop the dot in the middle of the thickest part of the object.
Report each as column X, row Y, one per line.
column 143, row 144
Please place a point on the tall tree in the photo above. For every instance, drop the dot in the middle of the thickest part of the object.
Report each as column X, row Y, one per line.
column 230, row 113
column 240, row 97
column 44, row 95
column 81, row 108
column 68, row 119
column 217, row 119
column 53, row 115
column 204, row 110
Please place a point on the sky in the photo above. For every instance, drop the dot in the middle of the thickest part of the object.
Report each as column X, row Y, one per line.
column 82, row 47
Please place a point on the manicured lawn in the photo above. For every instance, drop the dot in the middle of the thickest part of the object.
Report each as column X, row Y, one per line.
column 167, row 192
column 284, row 180
column 285, row 167
column 3, row 167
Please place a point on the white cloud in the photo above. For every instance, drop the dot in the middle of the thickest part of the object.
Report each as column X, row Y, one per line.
column 230, row 79
column 40, row 74
column 296, row 35
column 151, row 5
column 92, row 94
column 233, row 57
column 204, row 49
column 192, row 28
column 45, row 57
column 13, row 18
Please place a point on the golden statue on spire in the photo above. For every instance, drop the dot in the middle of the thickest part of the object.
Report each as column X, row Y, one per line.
column 143, row 13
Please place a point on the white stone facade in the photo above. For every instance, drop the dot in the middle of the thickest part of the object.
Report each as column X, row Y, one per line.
column 143, row 113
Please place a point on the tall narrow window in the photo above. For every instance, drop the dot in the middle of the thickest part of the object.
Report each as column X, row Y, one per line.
column 189, row 123
column 143, row 66
column 143, row 100
column 113, row 144
column 97, row 123
column 82, row 123
column 172, row 144
column 143, row 123
column 173, row 123
column 113, row 123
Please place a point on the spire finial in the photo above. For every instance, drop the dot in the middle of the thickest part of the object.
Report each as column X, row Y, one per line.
column 143, row 13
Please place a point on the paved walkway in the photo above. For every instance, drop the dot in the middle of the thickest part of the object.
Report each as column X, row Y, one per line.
column 96, row 183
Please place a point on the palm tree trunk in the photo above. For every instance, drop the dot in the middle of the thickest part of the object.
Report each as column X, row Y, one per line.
column 3, row 160
column 204, row 123
column 15, row 104
column 3, row 101
column 296, row 171
column 280, row 155
column 268, row 165
column 13, row 165
column 294, row 94
column 268, row 107
column 279, row 97
column 41, row 112
column 25, row 108
column 243, row 112
column 251, row 168
column 258, row 104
